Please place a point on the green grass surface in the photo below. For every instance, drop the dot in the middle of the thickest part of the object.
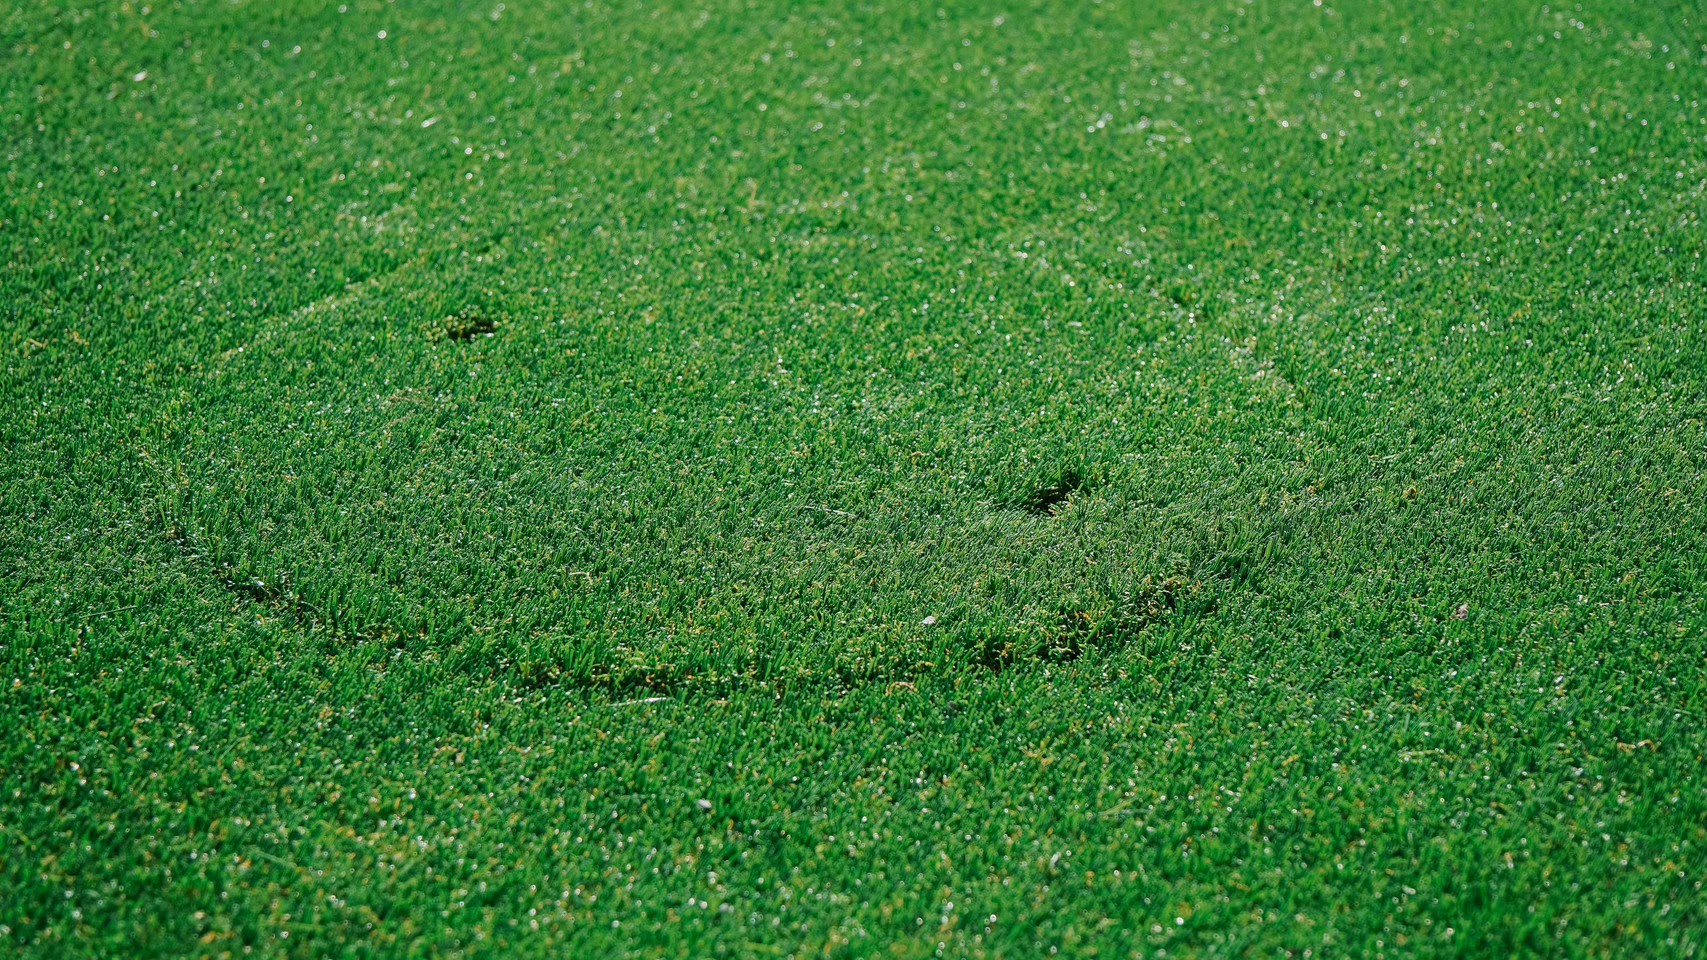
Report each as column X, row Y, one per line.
column 722, row 479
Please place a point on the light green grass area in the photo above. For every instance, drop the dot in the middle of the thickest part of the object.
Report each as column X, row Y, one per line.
column 1113, row 479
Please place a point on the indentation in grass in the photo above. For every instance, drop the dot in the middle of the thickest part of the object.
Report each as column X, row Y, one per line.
column 1052, row 497
column 465, row 324
column 1122, row 619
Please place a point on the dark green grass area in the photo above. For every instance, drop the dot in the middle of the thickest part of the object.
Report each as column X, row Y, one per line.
column 1105, row 479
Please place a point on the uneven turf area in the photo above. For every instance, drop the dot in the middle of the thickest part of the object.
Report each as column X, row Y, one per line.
column 557, row 479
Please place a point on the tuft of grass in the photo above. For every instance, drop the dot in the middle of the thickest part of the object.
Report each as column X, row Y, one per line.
column 1114, row 628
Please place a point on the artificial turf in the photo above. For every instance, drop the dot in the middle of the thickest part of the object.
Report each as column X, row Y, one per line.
column 852, row 479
